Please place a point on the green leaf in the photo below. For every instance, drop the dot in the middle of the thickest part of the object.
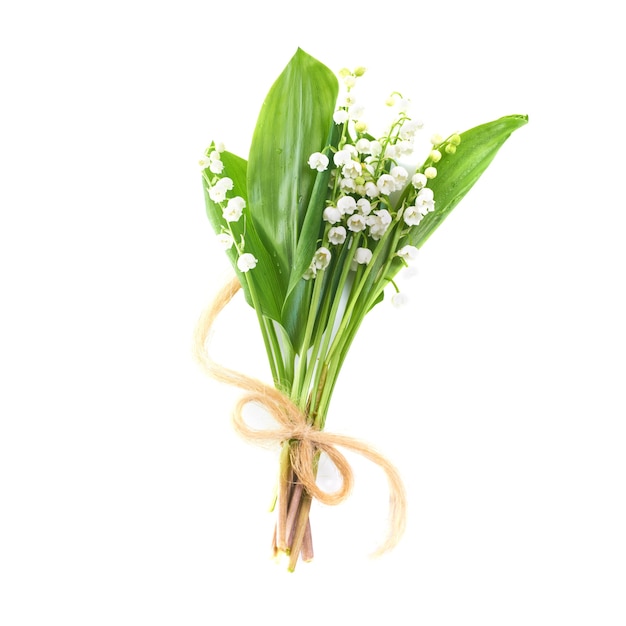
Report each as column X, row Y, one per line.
column 264, row 276
column 295, row 312
column 293, row 123
column 457, row 173
column 295, row 318
column 313, row 226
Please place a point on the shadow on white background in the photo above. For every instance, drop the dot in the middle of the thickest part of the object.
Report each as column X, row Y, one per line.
column 127, row 498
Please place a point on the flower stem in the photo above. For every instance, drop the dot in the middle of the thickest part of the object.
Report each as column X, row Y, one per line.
column 300, row 530
column 353, row 300
column 299, row 393
column 321, row 372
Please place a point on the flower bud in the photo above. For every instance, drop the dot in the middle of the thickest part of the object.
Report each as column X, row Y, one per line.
column 435, row 156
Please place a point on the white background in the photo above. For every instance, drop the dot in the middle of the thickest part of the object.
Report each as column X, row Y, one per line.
column 125, row 496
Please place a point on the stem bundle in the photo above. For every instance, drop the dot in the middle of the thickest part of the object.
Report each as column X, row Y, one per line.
column 302, row 443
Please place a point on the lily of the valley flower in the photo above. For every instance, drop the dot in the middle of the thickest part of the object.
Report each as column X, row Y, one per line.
column 425, row 202
column 347, row 205
column 410, row 128
column 412, row 216
column 340, row 116
column 408, row 253
column 363, row 146
column 399, row 299
column 225, row 183
column 356, row 223
column 232, row 211
column 215, row 164
column 321, row 258
column 364, row 206
column 356, row 111
column 378, row 223
column 419, row 180
column 318, row 161
column 371, row 190
column 246, row 262
column 217, row 192
column 400, row 176
column 310, row 272
column 337, row 235
column 225, row 240
column 347, row 185
column 331, row 214
column 352, row 169
column 386, row 184
column 362, row 256
column 341, row 157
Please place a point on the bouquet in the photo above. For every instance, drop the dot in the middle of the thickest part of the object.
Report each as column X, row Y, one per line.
column 317, row 223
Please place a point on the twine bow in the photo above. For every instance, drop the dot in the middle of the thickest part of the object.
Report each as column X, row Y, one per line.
column 293, row 426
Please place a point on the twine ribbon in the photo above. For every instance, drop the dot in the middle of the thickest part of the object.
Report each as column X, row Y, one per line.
column 293, row 426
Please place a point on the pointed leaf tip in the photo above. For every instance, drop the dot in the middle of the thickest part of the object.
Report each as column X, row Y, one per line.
column 458, row 172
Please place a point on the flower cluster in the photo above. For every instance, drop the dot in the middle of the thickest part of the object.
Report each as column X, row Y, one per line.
column 212, row 160
column 232, row 208
column 367, row 178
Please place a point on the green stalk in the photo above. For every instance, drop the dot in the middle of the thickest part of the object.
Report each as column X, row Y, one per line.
column 271, row 343
column 352, row 321
column 356, row 291
column 297, row 386
column 314, row 358
column 286, row 360
column 322, row 370
column 333, row 366
column 289, row 358
column 331, row 371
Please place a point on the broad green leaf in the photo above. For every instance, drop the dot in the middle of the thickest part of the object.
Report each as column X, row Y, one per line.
column 264, row 276
column 457, row 173
column 293, row 123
